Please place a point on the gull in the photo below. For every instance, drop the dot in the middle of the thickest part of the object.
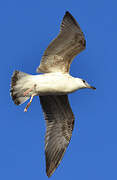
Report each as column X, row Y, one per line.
column 53, row 87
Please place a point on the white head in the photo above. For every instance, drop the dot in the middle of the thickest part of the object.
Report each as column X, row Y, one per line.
column 83, row 84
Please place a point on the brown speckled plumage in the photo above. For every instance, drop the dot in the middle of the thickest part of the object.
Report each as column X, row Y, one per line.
column 61, row 51
column 60, row 122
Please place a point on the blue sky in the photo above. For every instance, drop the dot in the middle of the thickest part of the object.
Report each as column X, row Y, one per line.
column 26, row 28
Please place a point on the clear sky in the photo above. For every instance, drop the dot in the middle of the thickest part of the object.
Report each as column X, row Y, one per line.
column 26, row 28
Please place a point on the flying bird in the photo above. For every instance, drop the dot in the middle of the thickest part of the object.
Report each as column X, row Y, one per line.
column 53, row 87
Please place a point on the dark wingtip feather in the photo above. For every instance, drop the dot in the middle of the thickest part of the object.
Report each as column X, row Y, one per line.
column 67, row 12
column 69, row 16
column 69, row 23
column 53, row 162
column 50, row 167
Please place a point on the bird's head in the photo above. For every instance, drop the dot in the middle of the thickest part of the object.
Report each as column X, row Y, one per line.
column 84, row 84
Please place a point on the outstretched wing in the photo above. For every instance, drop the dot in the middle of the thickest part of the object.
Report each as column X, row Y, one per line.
column 61, row 51
column 60, row 122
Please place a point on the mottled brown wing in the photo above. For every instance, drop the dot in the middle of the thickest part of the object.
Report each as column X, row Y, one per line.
column 60, row 122
column 61, row 51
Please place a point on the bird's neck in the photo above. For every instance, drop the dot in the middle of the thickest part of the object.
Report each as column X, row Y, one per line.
column 78, row 83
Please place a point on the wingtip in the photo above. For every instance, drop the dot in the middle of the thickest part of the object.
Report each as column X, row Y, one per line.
column 50, row 167
column 67, row 13
column 68, row 21
column 49, row 174
column 50, row 171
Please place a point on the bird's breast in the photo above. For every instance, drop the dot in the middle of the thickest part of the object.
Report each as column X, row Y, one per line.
column 55, row 84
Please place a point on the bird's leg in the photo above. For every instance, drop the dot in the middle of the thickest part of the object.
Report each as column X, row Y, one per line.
column 27, row 91
column 25, row 110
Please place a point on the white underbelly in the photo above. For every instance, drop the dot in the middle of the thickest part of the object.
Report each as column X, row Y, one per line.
column 54, row 84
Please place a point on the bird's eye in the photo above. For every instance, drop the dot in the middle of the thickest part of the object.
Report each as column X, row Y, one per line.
column 83, row 81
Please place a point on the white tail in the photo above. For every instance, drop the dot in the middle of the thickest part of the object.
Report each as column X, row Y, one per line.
column 20, row 83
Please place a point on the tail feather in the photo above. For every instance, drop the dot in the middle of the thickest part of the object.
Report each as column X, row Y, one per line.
column 18, row 87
